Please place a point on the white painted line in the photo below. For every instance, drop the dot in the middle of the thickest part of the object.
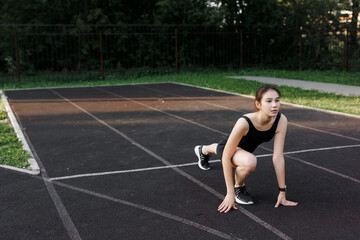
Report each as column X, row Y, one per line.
column 34, row 167
column 150, row 210
column 295, row 105
column 59, row 205
column 201, row 125
column 121, row 171
column 63, row 213
column 189, row 164
column 161, row 111
column 322, row 131
column 322, row 149
column 186, row 175
column 325, row 169
column 286, row 103
column 72, row 87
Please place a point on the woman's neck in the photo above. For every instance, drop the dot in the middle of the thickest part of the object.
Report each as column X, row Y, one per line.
column 262, row 118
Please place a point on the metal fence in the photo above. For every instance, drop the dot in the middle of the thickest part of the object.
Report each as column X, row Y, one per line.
column 71, row 52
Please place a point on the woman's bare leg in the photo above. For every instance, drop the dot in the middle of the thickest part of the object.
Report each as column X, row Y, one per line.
column 244, row 163
column 209, row 149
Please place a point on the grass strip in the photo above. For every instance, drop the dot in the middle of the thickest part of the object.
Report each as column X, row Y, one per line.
column 11, row 148
column 221, row 81
column 338, row 77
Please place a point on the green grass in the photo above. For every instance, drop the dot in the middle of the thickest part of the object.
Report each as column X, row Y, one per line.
column 11, row 151
column 350, row 78
column 312, row 98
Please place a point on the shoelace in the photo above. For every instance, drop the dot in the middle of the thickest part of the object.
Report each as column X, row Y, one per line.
column 204, row 157
column 242, row 190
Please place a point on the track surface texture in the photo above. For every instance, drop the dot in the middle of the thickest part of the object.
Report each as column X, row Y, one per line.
column 117, row 162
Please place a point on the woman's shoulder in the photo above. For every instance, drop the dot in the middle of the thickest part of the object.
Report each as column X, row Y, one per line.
column 242, row 122
column 283, row 118
column 248, row 115
column 282, row 125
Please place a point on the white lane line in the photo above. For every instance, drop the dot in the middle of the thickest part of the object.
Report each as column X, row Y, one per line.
column 201, row 125
column 148, row 209
column 161, row 111
column 59, row 205
column 322, row 149
column 230, row 109
column 325, row 169
column 186, row 175
column 121, row 171
column 195, row 163
column 323, row 131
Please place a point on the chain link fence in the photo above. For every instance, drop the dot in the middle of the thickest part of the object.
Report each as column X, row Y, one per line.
column 86, row 52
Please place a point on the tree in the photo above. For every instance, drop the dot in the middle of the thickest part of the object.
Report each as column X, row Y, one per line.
column 353, row 25
column 183, row 12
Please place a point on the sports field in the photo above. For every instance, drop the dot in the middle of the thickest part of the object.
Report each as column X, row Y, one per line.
column 117, row 162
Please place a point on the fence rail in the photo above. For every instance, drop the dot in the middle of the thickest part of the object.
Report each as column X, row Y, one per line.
column 96, row 51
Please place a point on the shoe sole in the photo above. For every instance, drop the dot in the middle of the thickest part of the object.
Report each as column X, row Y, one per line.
column 242, row 202
column 196, row 150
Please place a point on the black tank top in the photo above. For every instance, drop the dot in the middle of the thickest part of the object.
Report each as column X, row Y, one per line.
column 254, row 137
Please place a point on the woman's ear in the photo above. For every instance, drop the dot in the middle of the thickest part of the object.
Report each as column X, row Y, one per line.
column 257, row 105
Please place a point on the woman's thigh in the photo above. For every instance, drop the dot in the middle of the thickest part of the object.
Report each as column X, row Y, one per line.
column 243, row 158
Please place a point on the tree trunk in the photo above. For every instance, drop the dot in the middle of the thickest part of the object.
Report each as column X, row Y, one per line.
column 353, row 25
column 296, row 35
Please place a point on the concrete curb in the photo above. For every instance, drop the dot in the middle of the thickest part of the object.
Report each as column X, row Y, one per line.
column 34, row 167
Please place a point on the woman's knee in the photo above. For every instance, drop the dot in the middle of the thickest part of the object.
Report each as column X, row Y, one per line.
column 247, row 161
column 250, row 163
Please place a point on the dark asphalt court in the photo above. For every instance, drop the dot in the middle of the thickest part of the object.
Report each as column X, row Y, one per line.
column 118, row 163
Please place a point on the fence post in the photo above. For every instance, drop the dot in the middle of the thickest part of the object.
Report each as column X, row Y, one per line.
column 176, row 51
column 300, row 53
column 17, row 59
column 241, row 49
column 101, row 57
column 347, row 50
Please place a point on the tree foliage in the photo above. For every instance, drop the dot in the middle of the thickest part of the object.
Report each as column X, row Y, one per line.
column 272, row 31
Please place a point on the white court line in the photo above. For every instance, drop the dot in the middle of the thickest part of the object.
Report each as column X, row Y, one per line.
column 184, row 174
column 201, row 125
column 325, row 169
column 161, row 111
column 322, row 149
column 59, row 205
column 241, row 95
column 215, row 130
column 150, row 210
column 121, row 171
column 286, row 103
column 195, row 163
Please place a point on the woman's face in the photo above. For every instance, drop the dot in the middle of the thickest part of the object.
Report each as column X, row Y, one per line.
column 270, row 103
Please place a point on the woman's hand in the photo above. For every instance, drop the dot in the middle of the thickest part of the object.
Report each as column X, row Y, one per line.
column 282, row 200
column 227, row 204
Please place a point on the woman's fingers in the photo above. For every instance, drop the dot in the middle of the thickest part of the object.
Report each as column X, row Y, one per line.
column 290, row 203
column 226, row 207
column 286, row 203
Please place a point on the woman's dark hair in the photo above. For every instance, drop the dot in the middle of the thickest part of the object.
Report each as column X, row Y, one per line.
column 262, row 90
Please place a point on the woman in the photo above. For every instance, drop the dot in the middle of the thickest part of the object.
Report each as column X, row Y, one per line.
column 235, row 150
